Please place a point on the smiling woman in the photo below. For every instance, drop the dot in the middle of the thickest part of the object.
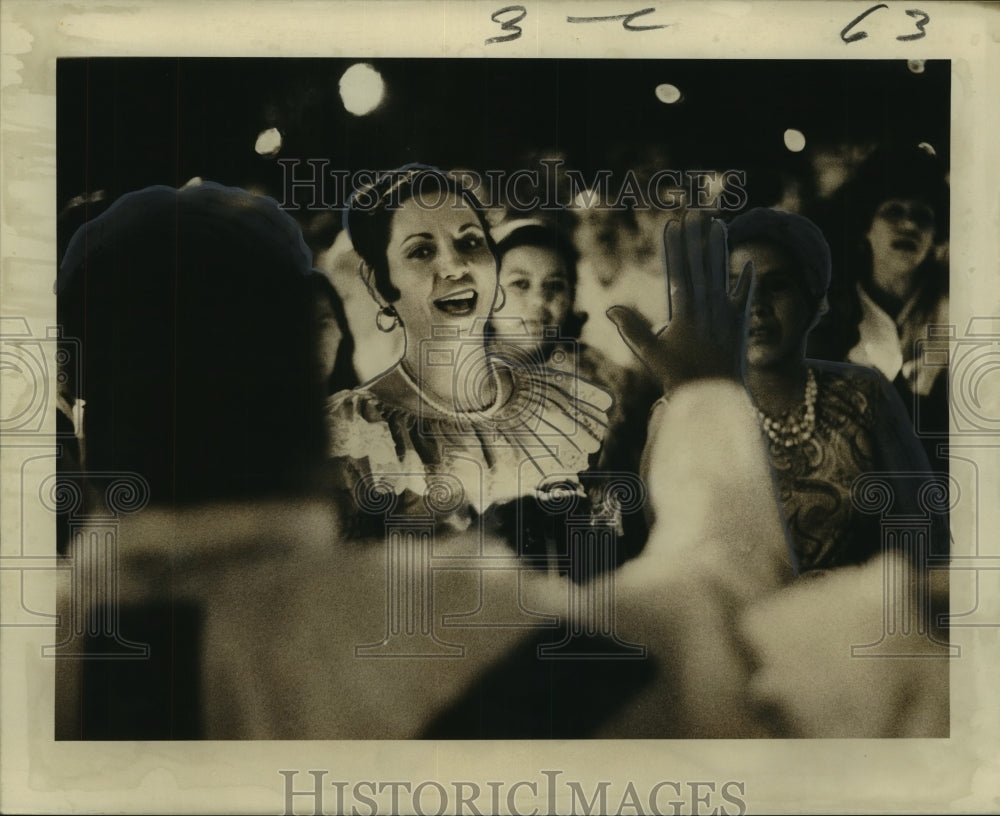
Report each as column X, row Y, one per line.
column 889, row 297
column 900, row 286
column 448, row 412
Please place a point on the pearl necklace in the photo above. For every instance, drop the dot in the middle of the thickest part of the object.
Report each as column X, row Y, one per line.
column 449, row 410
column 788, row 431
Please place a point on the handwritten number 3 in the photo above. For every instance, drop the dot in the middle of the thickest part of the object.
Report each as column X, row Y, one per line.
column 508, row 25
column 921, row 24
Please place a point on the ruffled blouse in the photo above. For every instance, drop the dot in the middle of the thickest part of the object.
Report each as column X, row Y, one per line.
column 453, row 467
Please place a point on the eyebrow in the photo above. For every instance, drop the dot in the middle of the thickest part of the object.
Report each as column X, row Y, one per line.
column 425, row 235
column 428, row 236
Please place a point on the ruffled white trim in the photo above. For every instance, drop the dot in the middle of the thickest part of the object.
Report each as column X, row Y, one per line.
column 545, row 434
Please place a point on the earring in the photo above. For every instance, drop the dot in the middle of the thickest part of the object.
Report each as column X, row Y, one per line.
column 502, row 294
column 386, row 313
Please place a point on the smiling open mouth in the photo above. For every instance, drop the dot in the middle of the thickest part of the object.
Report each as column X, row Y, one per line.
column 760, row 335
column 905, row 244
column 458, row 303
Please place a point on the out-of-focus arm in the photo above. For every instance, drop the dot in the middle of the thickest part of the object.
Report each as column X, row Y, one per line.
column 717, row 545
column 710, row 489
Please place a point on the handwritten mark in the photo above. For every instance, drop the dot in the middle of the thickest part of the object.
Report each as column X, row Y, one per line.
column 508, row 25
column 921, row 17
column 861, row 34
column 625, row 18
column 920, row 24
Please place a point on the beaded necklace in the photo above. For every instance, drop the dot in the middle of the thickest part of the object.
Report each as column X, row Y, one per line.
column 796, row 425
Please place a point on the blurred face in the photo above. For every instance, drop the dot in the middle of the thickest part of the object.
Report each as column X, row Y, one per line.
column 781, row 310
column 439, row 260
column 538, row 291
column 902, row 232
column 328, row 337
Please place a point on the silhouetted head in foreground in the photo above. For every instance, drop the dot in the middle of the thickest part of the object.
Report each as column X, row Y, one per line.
column 198, row 342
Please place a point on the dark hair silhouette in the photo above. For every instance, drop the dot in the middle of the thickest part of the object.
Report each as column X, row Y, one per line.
column 198, row 366
column 797, row 235
column 343, row 375
column 895, row 170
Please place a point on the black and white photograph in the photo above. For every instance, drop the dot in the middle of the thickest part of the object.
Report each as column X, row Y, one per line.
column 559, row 407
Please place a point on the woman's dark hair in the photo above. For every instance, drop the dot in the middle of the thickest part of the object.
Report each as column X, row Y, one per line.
column 545, row 237
column 893, row 170
column 368, row 217
column 198, row 348
column 795, row 234
column 343, row 376
column 556, row 241
column 904, row 171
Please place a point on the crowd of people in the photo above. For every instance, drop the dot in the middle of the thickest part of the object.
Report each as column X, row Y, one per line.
column 221, row 366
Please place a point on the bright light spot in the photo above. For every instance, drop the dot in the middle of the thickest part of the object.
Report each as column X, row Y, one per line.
column 268, row 142
column 361, row 89
column 928, row 148
column 668, row 94
column 916, row 66
column 795, row 140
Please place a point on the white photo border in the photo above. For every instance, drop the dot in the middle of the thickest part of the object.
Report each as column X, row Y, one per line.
column 957, row 774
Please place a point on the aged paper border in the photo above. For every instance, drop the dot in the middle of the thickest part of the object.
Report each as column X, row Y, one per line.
column 958, row 774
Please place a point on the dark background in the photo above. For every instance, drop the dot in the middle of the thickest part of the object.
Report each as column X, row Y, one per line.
column 125, row 123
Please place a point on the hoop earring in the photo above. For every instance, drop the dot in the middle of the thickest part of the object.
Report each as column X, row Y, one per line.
column 384, row 314
column 502, row 294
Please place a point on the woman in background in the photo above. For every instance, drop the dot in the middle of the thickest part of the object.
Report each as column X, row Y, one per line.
column 540, row 326
column 538, row 273
column 890, row 282
column 827, row 424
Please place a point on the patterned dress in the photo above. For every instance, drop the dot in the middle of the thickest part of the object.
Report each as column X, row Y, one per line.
column 861, row 428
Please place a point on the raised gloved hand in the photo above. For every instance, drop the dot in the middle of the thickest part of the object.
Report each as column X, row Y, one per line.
column 705, row 337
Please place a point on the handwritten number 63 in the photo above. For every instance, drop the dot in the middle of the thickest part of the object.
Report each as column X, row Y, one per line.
column 921, row 17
